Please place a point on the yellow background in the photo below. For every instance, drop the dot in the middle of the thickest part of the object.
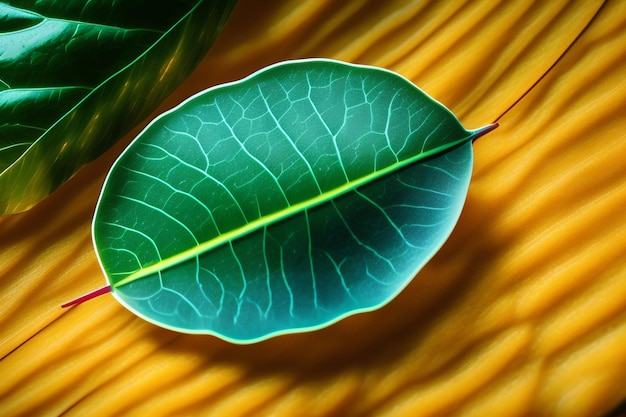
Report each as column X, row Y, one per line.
column 522, row 313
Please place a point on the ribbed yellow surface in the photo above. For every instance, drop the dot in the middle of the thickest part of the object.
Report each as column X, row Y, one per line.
column 522, row 313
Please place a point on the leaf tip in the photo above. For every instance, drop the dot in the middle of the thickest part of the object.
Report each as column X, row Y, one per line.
column 477, row 133
column 86, row 297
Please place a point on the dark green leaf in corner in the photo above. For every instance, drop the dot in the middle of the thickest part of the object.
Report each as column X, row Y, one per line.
column 76, row 75
column 307, row 192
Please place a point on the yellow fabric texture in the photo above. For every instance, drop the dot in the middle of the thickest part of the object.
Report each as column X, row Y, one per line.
column 523, row 311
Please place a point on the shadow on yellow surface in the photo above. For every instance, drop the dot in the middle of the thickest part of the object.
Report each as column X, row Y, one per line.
column 523, row 312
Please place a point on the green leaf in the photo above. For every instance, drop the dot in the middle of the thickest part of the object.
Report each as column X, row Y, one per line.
column 307, row 192
column 75, row 75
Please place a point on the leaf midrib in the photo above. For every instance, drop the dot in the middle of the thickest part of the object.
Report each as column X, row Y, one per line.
column 291, row 210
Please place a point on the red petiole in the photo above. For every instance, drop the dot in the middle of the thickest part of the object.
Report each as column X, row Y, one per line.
column 93, row 294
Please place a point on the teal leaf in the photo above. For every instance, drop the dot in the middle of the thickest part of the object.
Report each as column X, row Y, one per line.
column 77, row 75
column 309, row 191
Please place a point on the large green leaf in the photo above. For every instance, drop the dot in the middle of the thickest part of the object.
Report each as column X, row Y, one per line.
column 306, row 192
column 75, row 75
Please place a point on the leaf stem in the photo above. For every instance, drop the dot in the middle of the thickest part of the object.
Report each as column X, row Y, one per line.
column 86, row 297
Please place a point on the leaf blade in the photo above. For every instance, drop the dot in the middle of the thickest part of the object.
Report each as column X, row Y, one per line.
column 108, row 55
column 267, row 160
